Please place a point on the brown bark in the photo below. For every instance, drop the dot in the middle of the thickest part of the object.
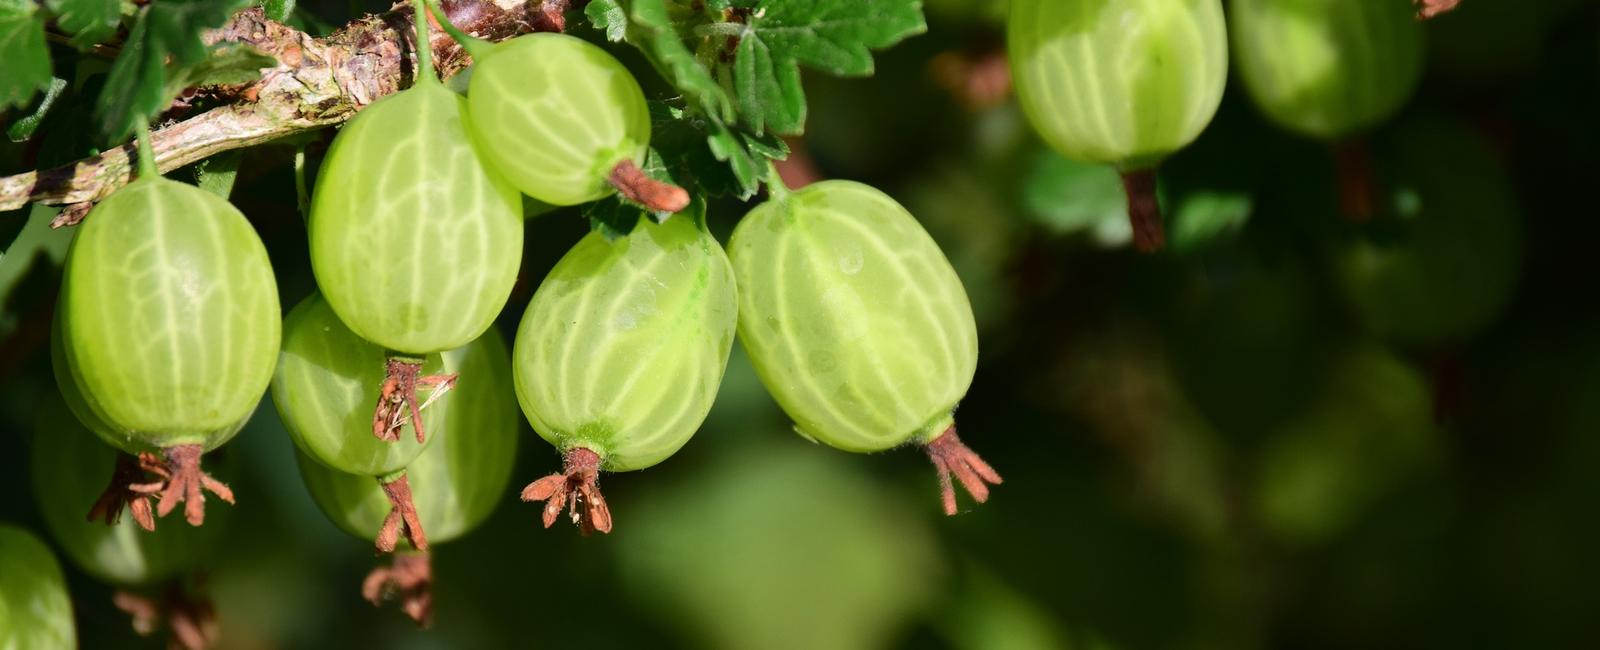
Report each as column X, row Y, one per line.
column 318, row 82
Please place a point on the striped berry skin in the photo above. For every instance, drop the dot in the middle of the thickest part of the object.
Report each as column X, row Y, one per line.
column 624, row 344
column 1327, row 68
column 168, row 319
column 852, row 316
column 69, row 467
column 555, row 114
column 323, row 391
column 414, row 241
column 458, row 480
column 1118, row 82
column 35, row 609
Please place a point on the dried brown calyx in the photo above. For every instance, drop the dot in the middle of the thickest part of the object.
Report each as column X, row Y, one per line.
column 634, row 185
column 409, row 580
column 1429, row 8
column 577, row 490
column 398, row 397
column 402, row 518
column 187, row 614
column 179, row 479
column 120, row 492
column 951, row 457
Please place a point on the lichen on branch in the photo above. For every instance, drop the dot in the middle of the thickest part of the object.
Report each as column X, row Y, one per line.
column 318, row 82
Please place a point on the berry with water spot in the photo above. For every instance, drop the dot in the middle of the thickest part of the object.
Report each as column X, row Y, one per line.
column 1120, row 82
column 456, row 483
column 415, row 241
column 619, row 356
column 166, row 332
column 858, row 325
column 321, row 389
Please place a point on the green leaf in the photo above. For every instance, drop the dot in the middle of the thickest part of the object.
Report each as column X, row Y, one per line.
column 217, row 173
column 89, row 21
column 26, row 59
column 229, row 64
column 834, row 36
column 25, row 126
column 27, row 239
column 137, row 87
column 608, row 16
column 650, row 28
column 279, row 10
column 612, row 217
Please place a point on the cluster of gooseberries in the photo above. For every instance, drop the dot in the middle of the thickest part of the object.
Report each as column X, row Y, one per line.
column 168, row 329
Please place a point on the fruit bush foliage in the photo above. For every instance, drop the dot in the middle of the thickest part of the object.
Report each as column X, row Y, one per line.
column 1341, row 394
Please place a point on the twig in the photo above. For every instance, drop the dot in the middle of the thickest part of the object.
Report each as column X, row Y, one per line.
column 318, row 82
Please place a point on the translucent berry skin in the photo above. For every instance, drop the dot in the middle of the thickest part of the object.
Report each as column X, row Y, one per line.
column 852, row 316
column 415, row 242
column 324, row 391
column 168, row 319
column 555, row 114
column 623, row 347
column 35, row 610
column 1327, row 68
column 457, row 482
column 69, row 466
column 1119, row 82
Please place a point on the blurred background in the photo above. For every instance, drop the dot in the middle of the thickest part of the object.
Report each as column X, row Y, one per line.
column 1288, row 430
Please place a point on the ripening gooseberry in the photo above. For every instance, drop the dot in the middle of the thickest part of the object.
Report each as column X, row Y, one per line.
column 166, row 329
column 620, row 354
column 415, row 242
column 1120, row 82
column 321, row 389
column 563, row 120
column 858, row 325
column 456, row 482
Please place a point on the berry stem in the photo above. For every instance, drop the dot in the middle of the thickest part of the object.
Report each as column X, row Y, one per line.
column 147, row 155
column 577, row 490
column 636, row 186
column 776, row 187
column 402, row 518
column 1144, row 210
column 1353, row 165
column 409, row 579
column 951, row 457
column 477, row 48
column 424, row 73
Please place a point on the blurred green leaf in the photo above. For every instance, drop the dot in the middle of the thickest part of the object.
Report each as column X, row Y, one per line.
column 1067, row 196
column 781, row 546
column 1204, row 215
column 834, row 36
column 24, row 53
column 137, row 88
column 89, row 21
